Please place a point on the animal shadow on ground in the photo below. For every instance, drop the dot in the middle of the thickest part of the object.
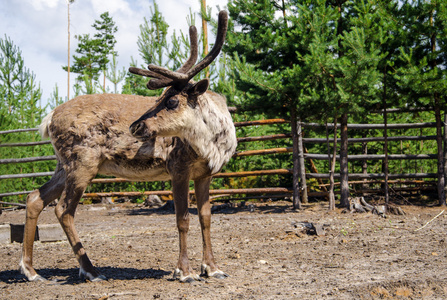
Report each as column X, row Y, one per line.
column 224, row 208
column 70, row 276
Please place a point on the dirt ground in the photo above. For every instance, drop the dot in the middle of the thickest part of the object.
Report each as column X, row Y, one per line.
column 360, row 256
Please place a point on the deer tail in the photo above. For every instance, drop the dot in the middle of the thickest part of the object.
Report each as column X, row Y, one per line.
column 43, row 127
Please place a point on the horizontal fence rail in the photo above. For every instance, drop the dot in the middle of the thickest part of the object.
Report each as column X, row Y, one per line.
column 373, row 126
column 272, row 151
column 373, row 175
column 19, row 130
column 27, row 159
column 39, row 143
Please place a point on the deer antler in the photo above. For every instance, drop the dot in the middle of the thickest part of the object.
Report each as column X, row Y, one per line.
column 193, row 54
column 164, row 77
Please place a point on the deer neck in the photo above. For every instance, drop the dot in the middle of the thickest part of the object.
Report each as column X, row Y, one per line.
column 213, row 137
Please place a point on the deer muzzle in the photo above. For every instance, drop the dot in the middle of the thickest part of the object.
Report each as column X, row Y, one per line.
column 139, row 130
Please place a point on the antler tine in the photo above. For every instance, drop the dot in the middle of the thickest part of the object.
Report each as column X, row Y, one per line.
column 145, row 73
column 194, row 50
column 172, row 76
column 220, row 38
column 180, row 78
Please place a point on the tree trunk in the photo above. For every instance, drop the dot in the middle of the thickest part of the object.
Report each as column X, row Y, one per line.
column 304, row 198
column 440, row 163
column 68, row 63
column 104, row 84
column 205, row 34
column 344, row 198
column 295, row 158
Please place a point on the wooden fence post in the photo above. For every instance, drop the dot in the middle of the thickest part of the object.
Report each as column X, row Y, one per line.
column 295, row 158
column 385, row 146
column 445, row 153
column 440, row 154
column 304, row 198
column 344, row 186
column 364, row 162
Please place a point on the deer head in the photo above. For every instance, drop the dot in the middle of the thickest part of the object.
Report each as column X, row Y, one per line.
column 177, row 109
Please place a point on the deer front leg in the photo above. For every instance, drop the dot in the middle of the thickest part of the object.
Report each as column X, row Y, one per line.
column 180, row 189
column 209, row 267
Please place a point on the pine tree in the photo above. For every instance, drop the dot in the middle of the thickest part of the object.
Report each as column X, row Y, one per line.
column 156, row 48
column 307, row 59
column 94, row 53
column 106, row 29
column 421, row 77
column 19, row 94
column 20, row 107
column 153, row 48
column 114, row 75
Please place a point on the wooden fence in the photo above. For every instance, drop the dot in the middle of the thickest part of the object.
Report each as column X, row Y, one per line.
column 355, row 178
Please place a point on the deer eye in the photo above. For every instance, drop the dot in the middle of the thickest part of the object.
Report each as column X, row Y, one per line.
column 172, row 103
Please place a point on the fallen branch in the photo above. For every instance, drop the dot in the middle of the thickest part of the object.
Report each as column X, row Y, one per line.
column 430, row 220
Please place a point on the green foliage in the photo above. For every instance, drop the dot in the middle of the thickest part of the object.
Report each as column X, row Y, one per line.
column 323, row 58
column 113, row 74
column 105, row 30
column 306, row 54
column 23, row 184
column 154, row 48
column 20, row 108
column 19, row 93
column 422, row 71
column 93, row 55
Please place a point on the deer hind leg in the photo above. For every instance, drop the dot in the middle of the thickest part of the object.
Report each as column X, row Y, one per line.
column 35, row 203
column 75, row 186
column 209, row 267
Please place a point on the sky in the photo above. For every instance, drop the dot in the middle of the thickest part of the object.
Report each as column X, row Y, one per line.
column 39, row 29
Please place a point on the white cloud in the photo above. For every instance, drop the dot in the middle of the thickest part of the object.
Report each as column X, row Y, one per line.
column 113, row 6
column 43, row 4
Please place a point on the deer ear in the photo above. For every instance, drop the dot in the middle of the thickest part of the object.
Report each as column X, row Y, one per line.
column 199, row 88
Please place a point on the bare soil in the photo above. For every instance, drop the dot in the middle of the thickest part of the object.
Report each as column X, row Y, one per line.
column 360, row 256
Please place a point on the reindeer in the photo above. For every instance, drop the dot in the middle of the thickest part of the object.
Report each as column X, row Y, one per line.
column 188, row 134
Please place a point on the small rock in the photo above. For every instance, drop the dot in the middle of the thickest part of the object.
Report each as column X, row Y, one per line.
column 153, row 200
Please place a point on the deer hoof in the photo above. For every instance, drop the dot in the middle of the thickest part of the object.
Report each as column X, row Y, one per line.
column 33, row 278
column 206, row 272
column 37, row 278
column 190, row 278
column 87, row 276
